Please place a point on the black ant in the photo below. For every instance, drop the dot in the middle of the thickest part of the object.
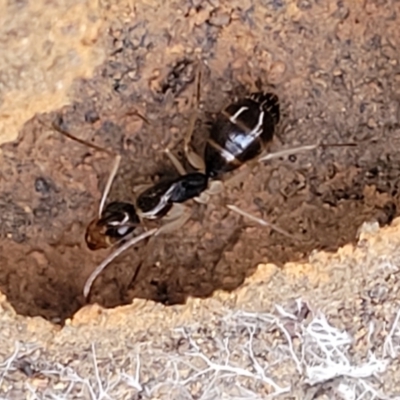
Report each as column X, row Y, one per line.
column 239, row 133
column 118, row 223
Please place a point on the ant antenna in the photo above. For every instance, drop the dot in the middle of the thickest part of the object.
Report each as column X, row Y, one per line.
column 294, row 150
column 110, row 180
column 114, row 170
column 194, row 159
column 112, row 256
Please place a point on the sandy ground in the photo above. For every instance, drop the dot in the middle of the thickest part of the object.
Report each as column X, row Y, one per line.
column 283, row 318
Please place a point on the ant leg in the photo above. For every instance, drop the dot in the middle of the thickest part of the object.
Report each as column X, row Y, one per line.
column 299, row 149
column 109, row 183
column 240, row 176
column 112, row 256
column 214, row 188
column 177, row 164
column 175, row 219
column 113, row 172
column 281, row 153
column 262, row 222
column 193, row 158
column 287, row 152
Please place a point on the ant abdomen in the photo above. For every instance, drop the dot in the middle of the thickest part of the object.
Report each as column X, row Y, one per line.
column 241, row 132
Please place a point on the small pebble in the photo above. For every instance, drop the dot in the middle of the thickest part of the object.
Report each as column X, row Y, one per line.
column 372, row 123
column 91, row 116
column 42, row 186
column 219, row 18
column 276, row 72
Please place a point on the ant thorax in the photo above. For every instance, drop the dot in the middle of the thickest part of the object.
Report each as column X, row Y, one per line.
column 156, row 201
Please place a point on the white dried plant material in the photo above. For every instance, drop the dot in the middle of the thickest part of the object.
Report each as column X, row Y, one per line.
column 391, row 346
column 241, row 355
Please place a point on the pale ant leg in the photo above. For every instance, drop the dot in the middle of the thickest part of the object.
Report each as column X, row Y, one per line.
column 193, row 158
column 262, row 222
column 112, row 256
column 287, row 152
column 214, row 188
column 277, row 154
column 299, row 149
column 140, row 188
column 177, row 164
column 175, row 219
column 113, row 172
column 234, row 179
column 109, row 183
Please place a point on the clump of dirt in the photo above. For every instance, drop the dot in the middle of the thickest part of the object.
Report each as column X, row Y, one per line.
column 336, row 71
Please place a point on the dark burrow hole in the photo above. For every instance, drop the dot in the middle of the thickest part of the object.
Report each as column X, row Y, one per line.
column 47, row 203
column 51, row 187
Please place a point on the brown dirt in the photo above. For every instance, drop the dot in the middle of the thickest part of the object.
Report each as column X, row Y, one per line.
column 334, row 66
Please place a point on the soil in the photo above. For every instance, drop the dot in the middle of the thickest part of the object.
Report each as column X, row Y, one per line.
column 335, row 68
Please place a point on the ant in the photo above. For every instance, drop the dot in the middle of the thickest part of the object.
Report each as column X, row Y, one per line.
column 118, row 222
column 240, row 133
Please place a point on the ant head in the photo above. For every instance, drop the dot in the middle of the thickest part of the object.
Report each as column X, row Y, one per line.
column 96, row 236
column 118, row 220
